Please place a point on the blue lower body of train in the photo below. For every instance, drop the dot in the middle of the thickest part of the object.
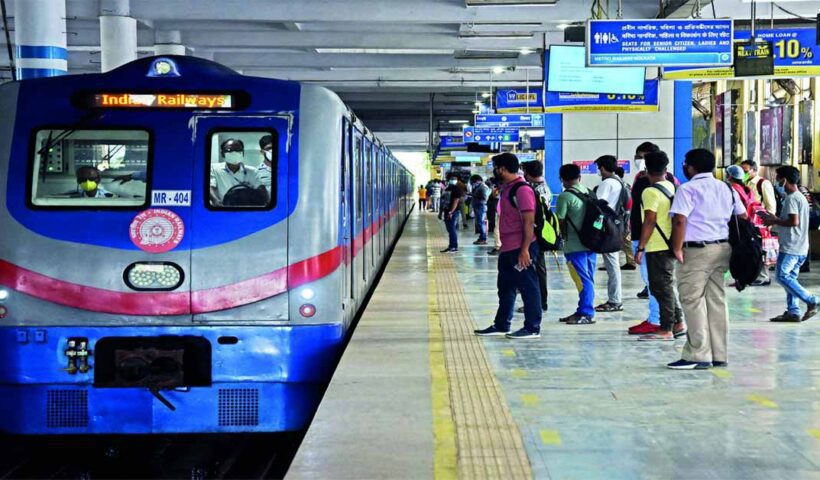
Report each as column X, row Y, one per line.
column 200, row 379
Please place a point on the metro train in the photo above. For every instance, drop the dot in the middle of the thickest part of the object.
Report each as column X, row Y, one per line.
column 183, row 248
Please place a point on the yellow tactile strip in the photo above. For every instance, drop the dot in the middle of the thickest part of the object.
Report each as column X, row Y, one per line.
column 488, row 442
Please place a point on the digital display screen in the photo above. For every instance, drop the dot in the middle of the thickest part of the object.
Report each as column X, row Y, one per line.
column 162, row 100
column 567, row 72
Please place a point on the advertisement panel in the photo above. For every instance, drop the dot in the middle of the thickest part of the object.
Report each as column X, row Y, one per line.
column 518, row 101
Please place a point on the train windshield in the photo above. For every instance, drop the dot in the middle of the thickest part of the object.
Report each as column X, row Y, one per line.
column 90, row 168
column 242, row 169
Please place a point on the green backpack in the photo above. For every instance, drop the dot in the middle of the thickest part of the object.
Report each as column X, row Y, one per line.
column 547, row 228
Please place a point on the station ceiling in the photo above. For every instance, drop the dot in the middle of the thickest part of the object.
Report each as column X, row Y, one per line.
column 384, row 57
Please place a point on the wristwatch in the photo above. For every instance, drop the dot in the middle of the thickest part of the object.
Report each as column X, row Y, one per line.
column 641, row 249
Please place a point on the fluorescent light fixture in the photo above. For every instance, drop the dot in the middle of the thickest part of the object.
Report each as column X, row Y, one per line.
column 525, row 51
column 499, row 70
column 478, row 104
column 495, row 36
column 485, row 94
column 563, row 26
column 476, row 111
column 460, row 122
column 511, row 3
column 389, row 51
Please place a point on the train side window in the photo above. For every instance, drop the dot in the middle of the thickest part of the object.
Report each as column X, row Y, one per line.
column 90, row 168
column 243, row 166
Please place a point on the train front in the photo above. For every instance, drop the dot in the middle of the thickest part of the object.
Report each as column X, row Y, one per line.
column 144, row 261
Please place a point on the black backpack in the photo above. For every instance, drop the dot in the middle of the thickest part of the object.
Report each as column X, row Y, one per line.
column 746, row 261
column 603, row 228
column 547, row 228
column 671, row 196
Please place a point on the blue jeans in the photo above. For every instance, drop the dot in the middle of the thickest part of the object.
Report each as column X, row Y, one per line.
column 654, row 307
column 480, row 210
column 511, row 281
column 584, row 265
column 788, row 269
column 452, row 226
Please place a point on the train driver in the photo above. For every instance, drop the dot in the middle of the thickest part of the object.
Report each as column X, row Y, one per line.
column 264, row 171
column 89, row 184
column 231, row 172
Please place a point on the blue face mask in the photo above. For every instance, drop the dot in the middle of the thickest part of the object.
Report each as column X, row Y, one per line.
column 780, row 189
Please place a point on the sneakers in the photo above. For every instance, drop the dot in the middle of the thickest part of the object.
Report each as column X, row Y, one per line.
column 658, row 337
column 522, row 334
column 544, row 308
column 449, row 250
column 687, row 365
column 581, row 320
column 629, row 266
column 679, row 330
column 720, row 364
column 491, row 331
column 567, row 319
column 480, row 242
column 644, row 328
column 494, row 251
column 644, row 294
column 786, row 317
column 811, row 311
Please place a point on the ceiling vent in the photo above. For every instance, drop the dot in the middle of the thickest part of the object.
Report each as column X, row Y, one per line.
column 486, row 54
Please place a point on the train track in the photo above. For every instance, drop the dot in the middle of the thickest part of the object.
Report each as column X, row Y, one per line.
column 196, row 457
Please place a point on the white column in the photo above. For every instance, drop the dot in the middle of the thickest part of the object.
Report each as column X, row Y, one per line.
column 40, row 36
column 168, row 42
column 118, row 34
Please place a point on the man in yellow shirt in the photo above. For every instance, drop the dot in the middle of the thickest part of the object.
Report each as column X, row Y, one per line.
column 654, row 248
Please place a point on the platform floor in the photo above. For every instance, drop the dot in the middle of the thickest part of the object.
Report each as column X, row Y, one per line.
column 416, row 395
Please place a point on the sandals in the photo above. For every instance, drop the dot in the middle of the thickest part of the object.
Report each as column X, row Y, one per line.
column 609, row 307
column 580, row 320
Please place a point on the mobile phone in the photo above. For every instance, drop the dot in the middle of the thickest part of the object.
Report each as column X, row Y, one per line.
column 762, row 214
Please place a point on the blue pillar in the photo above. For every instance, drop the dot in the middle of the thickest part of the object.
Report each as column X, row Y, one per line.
column 553, row 150
column 683, row 125
column 40, row 36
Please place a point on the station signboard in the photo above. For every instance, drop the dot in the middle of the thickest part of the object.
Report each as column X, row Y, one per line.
column 511, row 120
column 518, row 101
column 450, row 141
column 488, row 135
column 557, row 102
column 794, row 49
column 664, row 42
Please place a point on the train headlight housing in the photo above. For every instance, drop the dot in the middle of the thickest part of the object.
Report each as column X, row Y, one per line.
column 308, row 293
column 4, row 294
column 307, row 310
column 153, row 276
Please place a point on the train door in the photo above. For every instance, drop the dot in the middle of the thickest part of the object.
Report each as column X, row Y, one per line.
column 361, row 218
column 371, row 204
column 345, row 213
column 239, row 261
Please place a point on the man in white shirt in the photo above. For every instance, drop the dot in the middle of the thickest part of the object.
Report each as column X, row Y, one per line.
column 700, row 241
column 613, row 191
column 263, row 173
column 231, row 171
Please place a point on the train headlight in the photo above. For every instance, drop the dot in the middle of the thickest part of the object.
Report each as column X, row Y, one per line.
column 4, row 294
column 153, row 276
column 308, row 293
column 3, row 311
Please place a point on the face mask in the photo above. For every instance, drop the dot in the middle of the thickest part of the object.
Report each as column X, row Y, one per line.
column 453, row 182
column 88, row 186
column 780, row 188
column 233, row 158
column 268, row 155
column 640, row 163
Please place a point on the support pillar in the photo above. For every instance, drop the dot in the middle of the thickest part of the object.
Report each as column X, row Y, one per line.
column 118, row 34
column 168, row 42
column 40, row 36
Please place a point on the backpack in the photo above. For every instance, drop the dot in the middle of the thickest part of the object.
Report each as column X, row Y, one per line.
column 752, row 207
column 624, row 206
column 602, row 230
column 547, row 228
column 481, row 193
column 746, row 261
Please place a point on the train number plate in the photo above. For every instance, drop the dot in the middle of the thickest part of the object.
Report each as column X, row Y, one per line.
column 171, row 198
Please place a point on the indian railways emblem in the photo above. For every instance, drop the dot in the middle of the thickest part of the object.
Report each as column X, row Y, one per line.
column 157, row 230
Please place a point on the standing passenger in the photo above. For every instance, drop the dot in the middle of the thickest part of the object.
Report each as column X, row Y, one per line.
column 516, row 272
column 263, row 172
column 534, row 175
column 626, row 247
column 481, row 194
column 570, row 210
column 700, row 241
column 613, row 191
column 763, row 191
column 422, row 198
column 451, row 213
column 792, row 226
column 434, row 191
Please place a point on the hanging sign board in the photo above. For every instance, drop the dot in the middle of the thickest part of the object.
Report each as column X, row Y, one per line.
column 448, row 141
column 588, row 167
column 521, row 121
column 794, row 50
column 486, row 136
column 600, row 102
column 518, row 101
column 659, row 42
column 753, row 59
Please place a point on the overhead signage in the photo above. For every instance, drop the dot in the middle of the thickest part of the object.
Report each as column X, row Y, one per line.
column 588, row 167
column 161, row 100
column 450, row 141
column 753, row 58
column 659, row 42
column 503, row 120
column 488, row 135
column 600, row 102
column 794, row 50
column 518, row 101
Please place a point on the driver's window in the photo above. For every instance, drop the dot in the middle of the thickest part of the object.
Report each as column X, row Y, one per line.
column 242, row 169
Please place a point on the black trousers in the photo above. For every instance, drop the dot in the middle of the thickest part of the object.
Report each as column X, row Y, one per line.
column 541, row 271
column 660, row 266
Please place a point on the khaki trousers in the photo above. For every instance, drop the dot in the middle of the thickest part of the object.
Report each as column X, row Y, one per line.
column 703, row 298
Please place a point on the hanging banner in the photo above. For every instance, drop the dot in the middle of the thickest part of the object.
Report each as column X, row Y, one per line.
column 650, row 43
column 795, row 55
column 449, row 141
column 588, row 167
column 521, row 121
column 601, row 102
column 518, row 101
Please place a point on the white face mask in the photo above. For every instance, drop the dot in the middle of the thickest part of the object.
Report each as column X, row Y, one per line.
column 640, row 163
column 268, row 155
column 234, row 158
column 453, row 182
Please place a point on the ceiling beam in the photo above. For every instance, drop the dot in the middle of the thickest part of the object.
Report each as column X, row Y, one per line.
column 305, row 60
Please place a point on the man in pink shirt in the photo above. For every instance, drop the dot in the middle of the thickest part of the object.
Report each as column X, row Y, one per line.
column 516, row 269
